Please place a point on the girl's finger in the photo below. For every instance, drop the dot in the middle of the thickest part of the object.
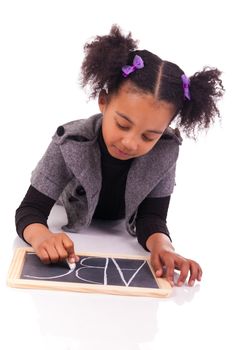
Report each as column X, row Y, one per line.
column 68, row 244
column 43, row 255
column 199, row 277
column 53, row 254
column 184, row 270
column 195, row 273
column 170, row 271
column 62, row 252
column 69, row 247
column 157, row 265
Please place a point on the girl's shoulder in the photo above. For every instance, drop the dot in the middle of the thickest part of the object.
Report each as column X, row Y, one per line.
column 79, row 130
column 172, row 134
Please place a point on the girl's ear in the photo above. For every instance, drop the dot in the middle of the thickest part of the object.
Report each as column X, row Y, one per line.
column 102, row 100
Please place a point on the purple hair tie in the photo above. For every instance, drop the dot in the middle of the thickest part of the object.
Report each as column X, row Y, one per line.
column 137, row 64
column 186, row 83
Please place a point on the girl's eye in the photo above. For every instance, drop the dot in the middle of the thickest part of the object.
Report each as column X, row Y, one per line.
column 122, row 127
column 145, row 138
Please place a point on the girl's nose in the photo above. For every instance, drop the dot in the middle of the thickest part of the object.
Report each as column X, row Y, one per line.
column 129, row 144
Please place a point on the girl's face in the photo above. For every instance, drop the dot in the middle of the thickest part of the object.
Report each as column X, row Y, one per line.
column 133, row 122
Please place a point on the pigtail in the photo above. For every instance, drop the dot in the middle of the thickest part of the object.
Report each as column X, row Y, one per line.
column 104, row 58
column 200, row 111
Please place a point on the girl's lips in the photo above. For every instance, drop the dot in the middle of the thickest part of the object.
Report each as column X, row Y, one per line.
column 121, row 153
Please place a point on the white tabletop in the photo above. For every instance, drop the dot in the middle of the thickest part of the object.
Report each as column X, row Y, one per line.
column 190, row 318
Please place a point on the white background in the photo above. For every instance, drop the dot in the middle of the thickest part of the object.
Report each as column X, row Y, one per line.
column 41, row 45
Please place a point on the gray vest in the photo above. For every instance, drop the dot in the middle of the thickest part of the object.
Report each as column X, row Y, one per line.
column 70, row 172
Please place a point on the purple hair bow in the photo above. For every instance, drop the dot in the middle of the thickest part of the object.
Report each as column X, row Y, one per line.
column 137, row 64
column 186, row 83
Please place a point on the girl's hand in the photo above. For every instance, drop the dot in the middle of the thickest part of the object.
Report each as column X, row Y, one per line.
column 50, row 247
column 165, row 260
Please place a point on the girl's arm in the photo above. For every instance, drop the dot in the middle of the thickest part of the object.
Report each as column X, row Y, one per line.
column 35, row 208
column 163, row 256
column 31, row 224
column 151, row 217
column 152, row 214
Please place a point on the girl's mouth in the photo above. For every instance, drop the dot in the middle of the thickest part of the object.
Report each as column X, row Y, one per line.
column 121, row 153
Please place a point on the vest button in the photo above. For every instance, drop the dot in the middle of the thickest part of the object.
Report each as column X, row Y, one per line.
column 80, row 191
column 60, row 131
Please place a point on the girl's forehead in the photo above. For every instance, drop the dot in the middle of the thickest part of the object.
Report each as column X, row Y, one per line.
column 136, row 102
column 130, row 90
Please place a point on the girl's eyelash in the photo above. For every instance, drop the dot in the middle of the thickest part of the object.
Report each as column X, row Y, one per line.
column 122, row 127
column 147, row 139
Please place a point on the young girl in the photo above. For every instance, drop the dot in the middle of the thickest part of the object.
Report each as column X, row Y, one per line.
column 121, row 163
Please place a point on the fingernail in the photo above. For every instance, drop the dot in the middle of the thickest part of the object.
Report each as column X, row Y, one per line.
column 191, row 283
column 180, row 284
column 72, row 260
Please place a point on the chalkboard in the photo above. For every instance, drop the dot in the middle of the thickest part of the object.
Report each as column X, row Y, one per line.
column 98, row 273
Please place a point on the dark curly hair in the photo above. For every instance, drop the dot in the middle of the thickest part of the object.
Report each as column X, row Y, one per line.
column 102, row 69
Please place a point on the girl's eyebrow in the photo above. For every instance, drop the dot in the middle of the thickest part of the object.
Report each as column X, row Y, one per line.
column 131, row 122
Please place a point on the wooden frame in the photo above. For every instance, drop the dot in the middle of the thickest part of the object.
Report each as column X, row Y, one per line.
column 17, row 264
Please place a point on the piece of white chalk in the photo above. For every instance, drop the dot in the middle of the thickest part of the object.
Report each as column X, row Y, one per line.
column 71, row 265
